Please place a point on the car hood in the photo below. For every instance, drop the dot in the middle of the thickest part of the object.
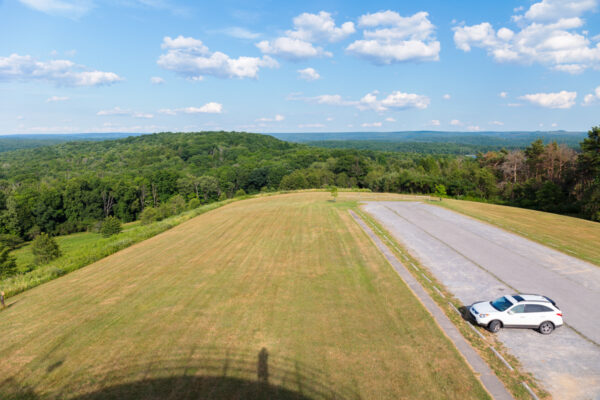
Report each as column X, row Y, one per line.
column 484, row 307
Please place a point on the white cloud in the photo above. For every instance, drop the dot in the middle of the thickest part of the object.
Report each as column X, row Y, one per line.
column 473, row 128
column 503, row 94
column 157, row 80
column 447, row 97
column 54, row 99
column 497, row 123
column 548, row 37
column 390, row 119
column 435, row 122
column 554, row 125
column 63, row 8
column 371, row 125
column 592, row 98
column 188, row 57
column 277, row 118
column 208, row 108
column 308, row 74
column 291, row 48
column 298, row 43
column 551, row 10
column 60, row 72
column 455, row 122
column 561, row 99
column 396, row 38
column 319, row 28
column 394, row 101
column 124, row 113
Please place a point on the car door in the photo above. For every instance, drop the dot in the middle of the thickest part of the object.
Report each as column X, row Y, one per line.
column 515, row 316
column 535, row 314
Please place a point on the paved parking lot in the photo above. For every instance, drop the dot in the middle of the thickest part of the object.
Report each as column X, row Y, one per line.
column 477, row 261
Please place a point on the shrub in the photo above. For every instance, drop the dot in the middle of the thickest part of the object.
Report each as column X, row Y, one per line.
column 8, row 265
column 149, row 215
column 110, row 226
column 45, row 249
column 223, row 196
column 193, row 203
column 240, row 193
column 176, row 205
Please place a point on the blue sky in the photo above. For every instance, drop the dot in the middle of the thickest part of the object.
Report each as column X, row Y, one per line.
column 263, row 66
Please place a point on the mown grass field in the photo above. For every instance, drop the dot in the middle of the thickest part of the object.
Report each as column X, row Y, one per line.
column 276, row 297
column 573, row 236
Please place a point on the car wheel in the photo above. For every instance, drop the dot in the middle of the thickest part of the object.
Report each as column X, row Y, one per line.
column 546, row 328
column 495, row 326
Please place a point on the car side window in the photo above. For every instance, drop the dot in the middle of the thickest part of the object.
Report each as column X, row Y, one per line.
column 531, row 308
column 518, row 309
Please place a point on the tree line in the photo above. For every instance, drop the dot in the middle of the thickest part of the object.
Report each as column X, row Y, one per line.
column 69, row 187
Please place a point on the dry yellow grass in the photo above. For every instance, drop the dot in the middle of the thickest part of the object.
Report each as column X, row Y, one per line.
column 188, row 313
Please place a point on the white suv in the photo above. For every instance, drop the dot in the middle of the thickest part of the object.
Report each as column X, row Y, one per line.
column 518, row 311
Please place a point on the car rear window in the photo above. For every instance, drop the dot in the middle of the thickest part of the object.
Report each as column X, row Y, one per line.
column 531, row 308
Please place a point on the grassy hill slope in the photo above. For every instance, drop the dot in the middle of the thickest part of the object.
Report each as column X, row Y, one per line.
column 279, row 297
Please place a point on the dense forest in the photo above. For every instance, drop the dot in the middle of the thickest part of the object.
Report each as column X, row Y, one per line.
column 69, row 187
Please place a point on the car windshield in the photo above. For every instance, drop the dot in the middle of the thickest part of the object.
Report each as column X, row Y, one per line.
column 501, row 304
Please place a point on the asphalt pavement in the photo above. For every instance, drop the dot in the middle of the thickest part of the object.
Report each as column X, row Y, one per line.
column 477, row 261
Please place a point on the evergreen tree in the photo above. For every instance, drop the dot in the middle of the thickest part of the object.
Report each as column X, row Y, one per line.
column 8, row 265
column 45, row 249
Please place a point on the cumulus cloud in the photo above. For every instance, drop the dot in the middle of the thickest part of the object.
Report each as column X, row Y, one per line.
column 390, row 119
column 63, row 8
column 396, row 100
column 55, row 99
column 435, row 122
column 208, row 108
column 291, row 48
column 561, row 99
column 394, row 38
column 473, row 128
column 550, row 10
column 190, row 58
column 592, row 98
column 455, row 122
column 447, row 97
column 124, row 113
column 59, row 72
column 298, row 43
column 497, row 123
column 276, row 118
column 157, row 80
column 548, row 36
column 503, row 94
column 308, row 74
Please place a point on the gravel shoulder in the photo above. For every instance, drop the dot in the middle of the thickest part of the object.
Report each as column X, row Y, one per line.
column 477, row 261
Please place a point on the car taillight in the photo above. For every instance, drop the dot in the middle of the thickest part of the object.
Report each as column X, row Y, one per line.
column 559, row 314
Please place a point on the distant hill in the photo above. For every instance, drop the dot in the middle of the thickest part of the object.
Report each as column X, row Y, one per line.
column 29, row 141
column 433, row 142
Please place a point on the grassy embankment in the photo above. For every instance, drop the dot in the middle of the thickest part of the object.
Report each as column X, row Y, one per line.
column 573, row 236
column 279, row 297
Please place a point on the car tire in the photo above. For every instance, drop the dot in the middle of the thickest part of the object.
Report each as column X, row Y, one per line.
column 494, row 326
column 546, row 328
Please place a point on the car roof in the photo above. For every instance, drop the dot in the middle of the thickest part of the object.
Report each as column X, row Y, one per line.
column 530, row 297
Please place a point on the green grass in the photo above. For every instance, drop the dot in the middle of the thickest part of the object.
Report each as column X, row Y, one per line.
column 276, row 297
column 82, row 249
column 573, row 236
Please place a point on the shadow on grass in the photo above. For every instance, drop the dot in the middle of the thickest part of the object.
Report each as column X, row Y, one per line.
column 201, row 374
